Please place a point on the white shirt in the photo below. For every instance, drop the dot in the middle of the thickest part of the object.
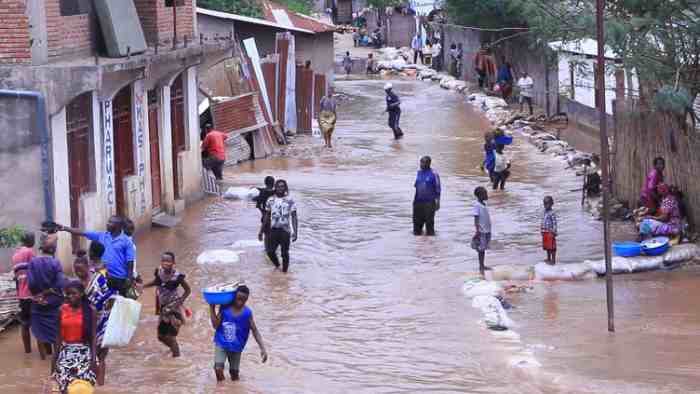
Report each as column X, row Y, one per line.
column 501, row 162
column 525, row 84
column 416, row 44
column 482, row 212
column 436, row 49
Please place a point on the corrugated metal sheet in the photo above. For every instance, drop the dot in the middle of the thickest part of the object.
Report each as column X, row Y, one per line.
column 238, row 114
column 304, row 96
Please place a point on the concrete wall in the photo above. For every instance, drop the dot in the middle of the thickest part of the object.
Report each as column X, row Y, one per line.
column 584, row 116
column 523, row 56
column 21, row 194
column 319, row 49
column 471, row 43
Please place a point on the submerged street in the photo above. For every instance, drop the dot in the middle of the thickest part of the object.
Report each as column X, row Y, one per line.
column 369, row 308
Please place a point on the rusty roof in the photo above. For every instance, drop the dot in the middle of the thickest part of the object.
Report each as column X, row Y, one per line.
column 278, row 13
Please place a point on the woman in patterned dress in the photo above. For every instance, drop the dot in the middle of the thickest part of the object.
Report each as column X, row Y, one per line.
column 668, row 219
column 75, row 356
column 93, row 275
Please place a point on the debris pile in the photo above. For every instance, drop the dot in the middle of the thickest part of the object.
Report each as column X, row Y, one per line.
column 9, row 305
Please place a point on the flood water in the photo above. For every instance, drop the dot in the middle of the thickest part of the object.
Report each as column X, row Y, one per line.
column 369, row 308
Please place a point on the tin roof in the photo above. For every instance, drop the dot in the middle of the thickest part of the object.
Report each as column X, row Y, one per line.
column 282, row 15
column 246, row 19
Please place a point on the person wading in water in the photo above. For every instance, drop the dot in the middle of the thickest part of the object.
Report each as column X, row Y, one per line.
column 281, row 219
column 427, row 199
column 393, row 107
column 327, row 117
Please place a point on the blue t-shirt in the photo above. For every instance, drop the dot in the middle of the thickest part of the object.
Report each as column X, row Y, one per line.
column 392, row 98
column 232, row 334
column 427, row 186
column 118, row 251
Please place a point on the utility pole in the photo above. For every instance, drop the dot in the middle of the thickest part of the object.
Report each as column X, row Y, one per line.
column 605, row 159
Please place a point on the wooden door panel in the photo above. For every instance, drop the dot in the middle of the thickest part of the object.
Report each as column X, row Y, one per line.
column 154, row 145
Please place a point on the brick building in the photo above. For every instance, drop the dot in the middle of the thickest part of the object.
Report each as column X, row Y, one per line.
column 85, row 136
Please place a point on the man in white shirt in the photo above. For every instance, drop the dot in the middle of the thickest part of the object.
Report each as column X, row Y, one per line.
column 526, row 84
column 417, row 46
column 437, row 59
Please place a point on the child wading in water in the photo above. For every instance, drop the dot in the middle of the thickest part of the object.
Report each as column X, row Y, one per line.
column 549, row 230
column 482, row 223
column 169, row 301
column 233, row 324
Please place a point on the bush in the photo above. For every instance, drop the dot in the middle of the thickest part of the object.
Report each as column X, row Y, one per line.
column 11, row 237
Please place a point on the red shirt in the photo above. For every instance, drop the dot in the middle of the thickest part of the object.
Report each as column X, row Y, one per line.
column 20, row 264
column 215, row 144
column 71, row 324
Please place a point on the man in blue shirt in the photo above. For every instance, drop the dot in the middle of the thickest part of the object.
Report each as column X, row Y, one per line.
column 119, row 253
column 393, row 107
column 427, row 199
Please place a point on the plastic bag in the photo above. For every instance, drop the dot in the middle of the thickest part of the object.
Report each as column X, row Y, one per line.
column 122, row 322
column 681, row 253
column 494, row 314
column 474, row 287
column 241, row 193
column 544, row 271
column 219, row 256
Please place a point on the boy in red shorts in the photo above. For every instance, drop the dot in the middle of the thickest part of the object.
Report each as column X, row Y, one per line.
column 549, row 231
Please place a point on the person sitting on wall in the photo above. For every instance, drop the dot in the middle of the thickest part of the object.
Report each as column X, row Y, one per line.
column 214, row 145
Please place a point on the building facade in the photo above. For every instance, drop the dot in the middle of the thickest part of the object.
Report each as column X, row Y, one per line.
column 86, row 136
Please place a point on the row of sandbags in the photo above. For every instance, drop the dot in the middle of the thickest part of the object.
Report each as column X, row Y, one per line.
column 487, row 296
column 591, row 268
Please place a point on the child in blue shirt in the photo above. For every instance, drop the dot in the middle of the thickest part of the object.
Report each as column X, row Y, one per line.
column 233, row 324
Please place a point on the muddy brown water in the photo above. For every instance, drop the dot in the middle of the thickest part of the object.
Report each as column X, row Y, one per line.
column 369, row 308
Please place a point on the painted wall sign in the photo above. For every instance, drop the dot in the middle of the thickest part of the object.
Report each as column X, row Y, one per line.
column 108, row 129
column 140, row 143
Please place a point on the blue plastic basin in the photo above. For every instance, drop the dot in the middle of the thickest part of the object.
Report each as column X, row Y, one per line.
column 656, row 246
column 219, row 297
column 504, row 140
column 627, row 249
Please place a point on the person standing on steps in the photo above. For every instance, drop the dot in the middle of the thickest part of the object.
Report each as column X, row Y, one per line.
column 327, row 117
column 393, row 107
column 417, row 46
column 214, row 146
column 427, row 199
column 526, row 85
column 281, row 219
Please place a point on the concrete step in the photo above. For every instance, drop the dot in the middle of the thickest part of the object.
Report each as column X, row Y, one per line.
column 165, row 220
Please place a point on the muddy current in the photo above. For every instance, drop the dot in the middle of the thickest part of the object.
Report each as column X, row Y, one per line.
column 369, row 308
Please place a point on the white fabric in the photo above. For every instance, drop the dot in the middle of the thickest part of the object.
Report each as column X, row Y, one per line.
column 241, row 193
column 492, row 309
column 526, row 84
column 122, row 323
column 482, row 212
column 501, row 162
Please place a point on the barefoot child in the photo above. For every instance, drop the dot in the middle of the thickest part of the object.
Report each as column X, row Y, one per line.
column 549, row 231
column 482, row 224
column 233, row 324
column 170, row 301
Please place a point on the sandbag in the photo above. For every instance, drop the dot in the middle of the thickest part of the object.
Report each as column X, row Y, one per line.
column 681, row 253
column 474, row 287
column 579, row 271
column 241, row 193
column 625, row 265
column 122, row 322
column 510, row 272
column 492, row 309
column 219, row 256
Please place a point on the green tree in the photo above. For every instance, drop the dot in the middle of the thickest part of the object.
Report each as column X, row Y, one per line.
column 241, row 7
